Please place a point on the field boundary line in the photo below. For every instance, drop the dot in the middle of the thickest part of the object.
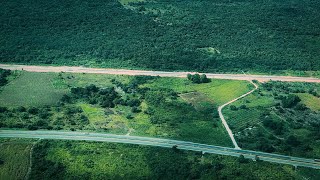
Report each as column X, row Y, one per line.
column 30, row 161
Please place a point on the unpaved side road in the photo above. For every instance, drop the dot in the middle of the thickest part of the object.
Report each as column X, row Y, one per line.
column 224, row 122
column 74, row 69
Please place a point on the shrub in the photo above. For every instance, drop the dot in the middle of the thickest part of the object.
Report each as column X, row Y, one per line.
column 129, row 116
column 196, row 78
column 233, row 108
column 3, row 109
column 33, row 110
column 241, row 159
column 290, row 101
column 243, row 106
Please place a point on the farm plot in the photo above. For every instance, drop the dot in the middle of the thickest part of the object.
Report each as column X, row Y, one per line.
column 15, row 157
column 32, row 89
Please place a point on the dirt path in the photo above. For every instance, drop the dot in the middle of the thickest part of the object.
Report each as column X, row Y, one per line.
column 224, row 122
column 261, row 78
column 30, row 157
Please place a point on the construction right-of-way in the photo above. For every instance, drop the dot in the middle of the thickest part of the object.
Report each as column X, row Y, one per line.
column 166, row 143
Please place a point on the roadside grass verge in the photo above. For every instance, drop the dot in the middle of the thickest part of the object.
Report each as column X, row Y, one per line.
column 15, row 154
column 100, row 80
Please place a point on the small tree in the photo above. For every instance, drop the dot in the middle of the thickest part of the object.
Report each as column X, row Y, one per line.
column 175, row 148
column 293, row 141
column 242, row 159
column 256, row 158
column 204, row 79
column 196, row 79
column 290, row 101
column 243, row 106
column 233, row 108
column 189, row 76
column 33, row 110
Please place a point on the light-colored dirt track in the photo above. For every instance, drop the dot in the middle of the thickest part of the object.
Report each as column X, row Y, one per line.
column 261, row 78
column 224, row 122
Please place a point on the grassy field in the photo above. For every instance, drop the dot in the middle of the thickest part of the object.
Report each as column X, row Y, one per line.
column 249, row 117
column 32, row 89
column 16, row 156
column 219, row 91
column 95, row 114
column 89, row 160
column 310, row 101
column 197, row 99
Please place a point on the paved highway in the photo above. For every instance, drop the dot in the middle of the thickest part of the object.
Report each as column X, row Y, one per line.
column 302, row 162
column 261, row 78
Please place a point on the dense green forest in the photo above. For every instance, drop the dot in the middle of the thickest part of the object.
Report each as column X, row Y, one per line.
column 206, row 35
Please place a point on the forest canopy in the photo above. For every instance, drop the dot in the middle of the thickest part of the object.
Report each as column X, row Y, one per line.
column 206, row 35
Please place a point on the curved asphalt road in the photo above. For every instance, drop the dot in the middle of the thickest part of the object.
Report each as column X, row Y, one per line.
column 185, row 145
column 261, row 78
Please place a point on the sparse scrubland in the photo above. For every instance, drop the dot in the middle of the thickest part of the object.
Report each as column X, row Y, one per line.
column 147, row 106
column 211, row 36
column 92, row 160
column 279, row 117
column 88, row 160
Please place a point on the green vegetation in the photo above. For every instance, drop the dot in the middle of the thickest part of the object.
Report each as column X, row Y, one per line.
column 196, row 78
column 89, row 160
column 139, row 105
column 212, row 36
column 3, row 76
column 220, row 91
column 32, row 89
column 279, row 117
column 310, row 101
column 14, row 157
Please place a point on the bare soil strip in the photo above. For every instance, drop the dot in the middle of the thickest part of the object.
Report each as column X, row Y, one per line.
column 75, row 69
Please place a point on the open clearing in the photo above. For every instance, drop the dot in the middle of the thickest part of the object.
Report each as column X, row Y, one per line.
column 198, row 100
column 32, row 89
column 310, row 101
column 219, row 91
